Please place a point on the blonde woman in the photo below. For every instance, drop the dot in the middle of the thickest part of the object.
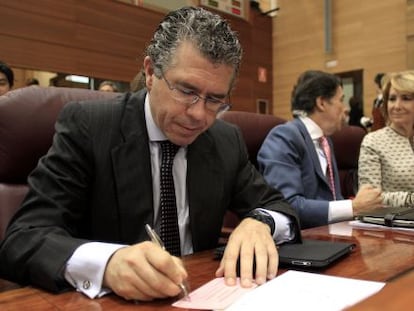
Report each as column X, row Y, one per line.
column 387, row 159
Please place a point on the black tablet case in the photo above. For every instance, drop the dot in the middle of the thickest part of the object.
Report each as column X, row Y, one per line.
column 390, row 217
column 309, row 253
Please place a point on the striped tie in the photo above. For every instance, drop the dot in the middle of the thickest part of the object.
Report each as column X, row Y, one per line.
column 327, row 151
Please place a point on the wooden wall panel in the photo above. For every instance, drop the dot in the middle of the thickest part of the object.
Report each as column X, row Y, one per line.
column 55, row 58
column 262, row 57
column 103, row 39
column 106, row 39
column 410, row 34
column 410, row 52
column 410, row 18
column 368, row 35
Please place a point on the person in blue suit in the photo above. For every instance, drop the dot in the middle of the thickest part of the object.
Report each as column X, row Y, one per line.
column 293, row 161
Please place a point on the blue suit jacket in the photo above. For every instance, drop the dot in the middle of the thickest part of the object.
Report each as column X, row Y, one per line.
column 289, row 162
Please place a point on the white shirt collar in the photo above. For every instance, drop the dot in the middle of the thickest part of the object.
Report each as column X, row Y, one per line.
column 154, row 132
column 313, row 129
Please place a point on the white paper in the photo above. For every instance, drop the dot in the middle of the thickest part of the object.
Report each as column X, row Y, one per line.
column 295, row 290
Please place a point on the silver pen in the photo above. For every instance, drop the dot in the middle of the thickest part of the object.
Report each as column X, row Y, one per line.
column 157, row 240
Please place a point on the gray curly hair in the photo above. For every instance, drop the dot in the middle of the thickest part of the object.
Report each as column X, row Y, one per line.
column 207, row 31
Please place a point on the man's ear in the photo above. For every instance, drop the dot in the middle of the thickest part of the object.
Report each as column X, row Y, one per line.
column 320, row 104
column 149, row 72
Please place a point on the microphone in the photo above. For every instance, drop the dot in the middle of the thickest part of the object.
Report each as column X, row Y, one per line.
column 366, row 122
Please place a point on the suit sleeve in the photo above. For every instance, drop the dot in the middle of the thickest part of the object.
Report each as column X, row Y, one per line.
column 40, row 237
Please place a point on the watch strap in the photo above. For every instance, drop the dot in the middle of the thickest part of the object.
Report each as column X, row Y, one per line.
column 264, row 217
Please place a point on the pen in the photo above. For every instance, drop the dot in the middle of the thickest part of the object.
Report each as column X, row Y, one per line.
column 157, row 240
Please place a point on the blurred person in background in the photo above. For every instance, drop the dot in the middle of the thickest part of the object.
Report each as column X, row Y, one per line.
column 6, row 78
column 378, row 120
column 138, row 82
column 355, row 113
column 32, row 81
column 108, row 86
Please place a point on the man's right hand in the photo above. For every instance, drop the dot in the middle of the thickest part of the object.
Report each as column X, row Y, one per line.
column 367, row 198
column 143, row 272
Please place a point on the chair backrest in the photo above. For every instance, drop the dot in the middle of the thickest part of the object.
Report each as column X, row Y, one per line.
column 378, row 119
column 254, row 127
column 27, row 118
column 347, row 143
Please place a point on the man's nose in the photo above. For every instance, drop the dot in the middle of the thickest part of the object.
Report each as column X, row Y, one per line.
column 198, row 109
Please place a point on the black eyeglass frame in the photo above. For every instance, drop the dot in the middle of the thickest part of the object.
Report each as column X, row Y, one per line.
column 214, row 105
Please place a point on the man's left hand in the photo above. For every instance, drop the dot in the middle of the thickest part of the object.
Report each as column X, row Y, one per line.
column 250, row 240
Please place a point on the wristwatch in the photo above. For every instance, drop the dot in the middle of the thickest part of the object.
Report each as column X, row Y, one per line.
column 263, row 217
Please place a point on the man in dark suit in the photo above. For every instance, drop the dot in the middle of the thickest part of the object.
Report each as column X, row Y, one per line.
column 292, row 158
column 90, row 197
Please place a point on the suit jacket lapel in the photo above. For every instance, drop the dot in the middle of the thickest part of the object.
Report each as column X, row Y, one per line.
column 315, row 159
column 310, row 146
column 132, row 170
column 338, row 190
column 204, row 185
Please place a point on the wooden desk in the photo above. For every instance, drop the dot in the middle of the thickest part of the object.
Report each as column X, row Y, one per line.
column 396, row 295
column 379, row 256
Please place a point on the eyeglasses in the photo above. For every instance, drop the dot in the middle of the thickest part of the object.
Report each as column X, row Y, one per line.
column 189, row 97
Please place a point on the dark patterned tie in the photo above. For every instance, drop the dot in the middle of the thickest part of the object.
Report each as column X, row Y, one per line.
column 327, row 151
column 169, row 231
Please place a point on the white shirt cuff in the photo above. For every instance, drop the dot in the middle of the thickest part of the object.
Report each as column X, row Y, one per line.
column 86, row 267
column 283, row 227
column 340, row 210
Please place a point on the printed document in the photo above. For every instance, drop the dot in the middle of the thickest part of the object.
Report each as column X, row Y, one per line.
column 292, row 290
column 295, row 290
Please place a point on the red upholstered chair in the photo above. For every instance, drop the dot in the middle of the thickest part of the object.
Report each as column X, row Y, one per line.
column 379, row 120
column 347, row 143
column 27, row 118
column 254, row 127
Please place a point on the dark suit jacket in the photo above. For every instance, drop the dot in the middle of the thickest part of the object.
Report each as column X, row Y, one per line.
column 95, row 184
column 289, row 162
